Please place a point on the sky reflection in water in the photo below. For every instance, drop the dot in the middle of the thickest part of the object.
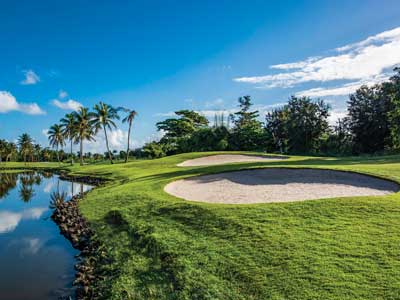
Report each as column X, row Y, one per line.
column 36, row 261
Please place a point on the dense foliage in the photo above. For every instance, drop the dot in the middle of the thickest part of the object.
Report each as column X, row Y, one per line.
column 372, row 126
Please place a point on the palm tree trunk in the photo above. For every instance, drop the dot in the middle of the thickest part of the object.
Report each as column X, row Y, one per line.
column 81, row 152
column 108, row 148
column 58, row 155
column 72, row 158
column 129, row 135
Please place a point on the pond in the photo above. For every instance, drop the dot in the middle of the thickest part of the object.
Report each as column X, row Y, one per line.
column 36, row 261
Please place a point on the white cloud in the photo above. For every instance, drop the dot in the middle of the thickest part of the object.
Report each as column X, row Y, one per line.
column 30, row 77
column 33, row 213
column 336, row 114
column 10, row 220
column 117, row 140
column 218, row 103
column 67, row 105
column 62, row 94
column 345, row 89
column 48, row 187
column 45, row 132
column 362, row 61
column 9, row 103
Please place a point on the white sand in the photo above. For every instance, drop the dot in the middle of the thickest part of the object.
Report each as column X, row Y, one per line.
column 278, row 185
column 226, row 159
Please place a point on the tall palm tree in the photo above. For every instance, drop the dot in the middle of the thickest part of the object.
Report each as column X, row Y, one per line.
column 36, row 151
column 68, row 124
column 56, row 138
column 84, row 128
column 129, row 119
column 104, row 115
column 25, row 144
column 11, row 151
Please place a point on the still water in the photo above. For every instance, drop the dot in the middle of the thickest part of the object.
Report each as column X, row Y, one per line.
column 36, row 262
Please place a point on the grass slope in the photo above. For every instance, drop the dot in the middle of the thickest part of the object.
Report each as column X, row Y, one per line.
column 166, row 248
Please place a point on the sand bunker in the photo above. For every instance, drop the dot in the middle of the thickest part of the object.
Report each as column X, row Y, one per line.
column 226, row 159
column 278, row 185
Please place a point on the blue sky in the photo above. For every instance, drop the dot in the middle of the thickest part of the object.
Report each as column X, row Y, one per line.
column 161, row 56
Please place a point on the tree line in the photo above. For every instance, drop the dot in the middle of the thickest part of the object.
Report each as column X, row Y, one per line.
column 372, row 126
column 75, row 128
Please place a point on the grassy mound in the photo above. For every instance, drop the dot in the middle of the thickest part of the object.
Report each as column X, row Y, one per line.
column 166, row 248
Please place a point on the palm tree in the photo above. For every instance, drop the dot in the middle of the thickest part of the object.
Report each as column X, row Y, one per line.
column 56, row 138
column 68, row 124
column 84, row 128
column 12, row 151
column 129, row 119
column 36, row 151
column 25, row 144
column 103, row 119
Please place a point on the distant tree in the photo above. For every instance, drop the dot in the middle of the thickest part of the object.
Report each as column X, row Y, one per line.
column 206, row 139
column 392, row 89
column 340, row 140
column 103, row 118
column 369, row 109
column 247, row 131
column 276, row 126
column 189, row 122
column 3, row 149
column 153, row 150
column 131, row 114
column 298, row 127
column 68, row 124
column 56, row 138
column 25, row 144
column 84, row 129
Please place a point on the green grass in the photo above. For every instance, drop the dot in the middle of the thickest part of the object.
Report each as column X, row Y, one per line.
column 166, row 248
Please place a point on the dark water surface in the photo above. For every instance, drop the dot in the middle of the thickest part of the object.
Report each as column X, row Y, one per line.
column 36, row 262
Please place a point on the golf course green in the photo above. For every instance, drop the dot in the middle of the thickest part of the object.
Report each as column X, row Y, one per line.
column 163, row 247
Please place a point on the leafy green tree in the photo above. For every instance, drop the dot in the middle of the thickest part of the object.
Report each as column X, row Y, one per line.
column 276, row 121
column 392, row 88
column 131, row 114
column 369, row 109
column 339, row 141
column 299, row 126
column 68, row 124
column 103, row 118
column 153, row 150
column 247, row 131
column 56, row 138
column 206, row 139
column 84, row 129
column 188, row 122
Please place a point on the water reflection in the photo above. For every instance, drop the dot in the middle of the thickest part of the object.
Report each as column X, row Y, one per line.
column 8, row 181
column 31, row 249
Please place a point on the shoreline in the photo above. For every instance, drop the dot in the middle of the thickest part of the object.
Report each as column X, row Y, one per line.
column 74, row 227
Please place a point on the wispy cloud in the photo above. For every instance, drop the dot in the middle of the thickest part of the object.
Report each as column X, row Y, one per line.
column 67, row 105
column 30, row 77
column 9, row 103
column 62, row 94
column 217, row 103
column 368, row 61
column 344, row 89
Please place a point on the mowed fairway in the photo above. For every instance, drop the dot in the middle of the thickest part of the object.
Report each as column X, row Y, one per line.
column 167, row 248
